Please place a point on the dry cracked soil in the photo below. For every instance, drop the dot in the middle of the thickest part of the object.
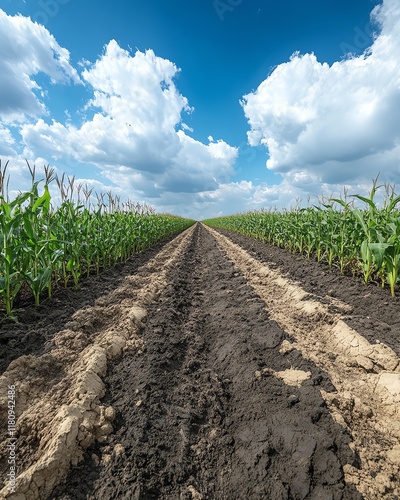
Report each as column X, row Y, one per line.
column 210, row 367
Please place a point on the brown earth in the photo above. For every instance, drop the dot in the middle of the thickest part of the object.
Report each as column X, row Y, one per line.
column 212, row 372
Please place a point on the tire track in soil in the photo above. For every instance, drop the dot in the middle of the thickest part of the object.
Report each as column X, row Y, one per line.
column 202, row 410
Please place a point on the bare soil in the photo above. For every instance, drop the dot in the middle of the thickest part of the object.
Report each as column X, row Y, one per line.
column 212, row 368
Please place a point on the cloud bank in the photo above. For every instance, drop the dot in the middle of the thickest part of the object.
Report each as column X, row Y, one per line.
column 136, row 135
column 323, row 126
column 333, row 124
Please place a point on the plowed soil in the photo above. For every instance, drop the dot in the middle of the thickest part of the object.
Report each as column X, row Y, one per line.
column 215, row 367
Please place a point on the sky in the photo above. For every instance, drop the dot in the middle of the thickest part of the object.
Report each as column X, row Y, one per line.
column 203, row 108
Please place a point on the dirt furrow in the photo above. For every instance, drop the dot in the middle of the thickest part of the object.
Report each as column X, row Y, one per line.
column 210, row 407
column 59, row 392
column 366, row 376
column 368, row 308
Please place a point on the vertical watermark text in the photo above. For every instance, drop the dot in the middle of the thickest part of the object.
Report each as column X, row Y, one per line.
column 11, row 439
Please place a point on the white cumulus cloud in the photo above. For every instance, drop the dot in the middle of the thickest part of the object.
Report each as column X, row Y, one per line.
column 135, row 135
column 333, row 123
column 26, row 49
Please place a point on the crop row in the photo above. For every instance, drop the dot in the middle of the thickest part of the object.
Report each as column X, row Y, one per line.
column 44, row 245
column 364, row 240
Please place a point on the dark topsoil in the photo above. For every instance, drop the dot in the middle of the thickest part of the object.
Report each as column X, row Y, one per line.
column 191, row 414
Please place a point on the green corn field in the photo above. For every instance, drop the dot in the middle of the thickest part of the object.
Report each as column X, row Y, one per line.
column 45, row 245
column 364, row 241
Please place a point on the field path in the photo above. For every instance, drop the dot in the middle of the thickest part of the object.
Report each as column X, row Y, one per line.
column 235, row 382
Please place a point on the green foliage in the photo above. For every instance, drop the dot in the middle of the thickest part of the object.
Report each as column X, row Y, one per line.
column 364, row 241
column 43, row 245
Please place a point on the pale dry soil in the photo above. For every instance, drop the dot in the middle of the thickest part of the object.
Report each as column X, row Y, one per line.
column 209, row 372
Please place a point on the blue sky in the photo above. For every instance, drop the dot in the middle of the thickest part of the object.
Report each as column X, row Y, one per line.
column 203, row 107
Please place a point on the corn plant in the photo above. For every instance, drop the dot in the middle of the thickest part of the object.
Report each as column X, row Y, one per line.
column 362, row 240
column 11, row 220
column 43, row 244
